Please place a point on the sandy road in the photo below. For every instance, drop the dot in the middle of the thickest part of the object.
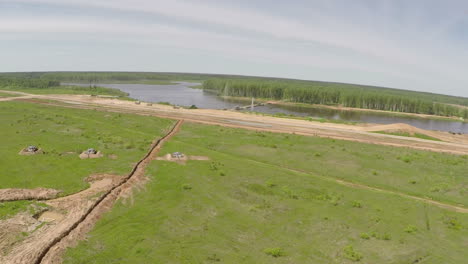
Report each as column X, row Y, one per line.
column 455, row 144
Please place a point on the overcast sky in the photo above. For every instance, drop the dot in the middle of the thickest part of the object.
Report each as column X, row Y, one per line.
column 418, row 44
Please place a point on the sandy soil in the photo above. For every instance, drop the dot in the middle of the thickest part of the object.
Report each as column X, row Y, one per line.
column 85, row 155
column 24, row 152
column 455, row 144
column 182, row 160
column 63, row 213
column 27, row 194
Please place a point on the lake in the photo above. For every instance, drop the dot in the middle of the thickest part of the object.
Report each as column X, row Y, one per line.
column 182, row 94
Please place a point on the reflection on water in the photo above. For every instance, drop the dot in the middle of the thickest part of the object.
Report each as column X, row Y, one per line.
column 181, row 94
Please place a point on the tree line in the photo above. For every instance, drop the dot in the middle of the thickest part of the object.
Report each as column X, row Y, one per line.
column 346, row 95
column 27, row 83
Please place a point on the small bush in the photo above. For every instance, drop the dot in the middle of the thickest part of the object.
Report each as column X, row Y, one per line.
column 375, row 173
column 356, row 204
column 410, row 229
column 453, row 223
column 270, row 184
column 214, row 258
column 186, row 187
column 386, row 236
column 274, row 252
column 318, row 155
column 364, row 236
column 351, row 254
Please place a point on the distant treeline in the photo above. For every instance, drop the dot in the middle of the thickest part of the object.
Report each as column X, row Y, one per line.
column 100, row 77
column 312, row 92
column 27, row 83
column 348, row 95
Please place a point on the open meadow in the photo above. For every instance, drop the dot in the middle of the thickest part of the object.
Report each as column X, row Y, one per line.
column 274, row 198
column 62, row 134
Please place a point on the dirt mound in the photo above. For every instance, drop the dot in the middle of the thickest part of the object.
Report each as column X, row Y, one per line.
column 86, row 155
column 27, row 194
column 410, row 130
column 183, row 159
column 397, row 127
column 25, row 152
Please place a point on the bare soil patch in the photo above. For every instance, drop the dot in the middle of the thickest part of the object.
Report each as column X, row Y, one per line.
column 182, row 160
column 50, row 216
column 25, row 152
column 12, row 194
column 63, row 212
column 86, row 155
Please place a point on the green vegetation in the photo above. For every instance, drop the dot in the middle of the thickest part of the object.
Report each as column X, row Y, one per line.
column 63, row 134
column 123, row 77
column 246, row 206
column 348, row 95
column 2, row 94
column 406, row 134
column 8, row 209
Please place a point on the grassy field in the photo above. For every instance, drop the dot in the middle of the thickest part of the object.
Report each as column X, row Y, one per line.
column 68, row 90
column 3, row 94
column 244, row 206
column 62, row 134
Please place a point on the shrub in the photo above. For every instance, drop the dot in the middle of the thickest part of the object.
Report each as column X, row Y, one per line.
column 214, row 257
column 270, row 184
column 186, row 187
column 453, row 223
column 351, row 254
column 386, row 236
column 410, row 229
column 274, row 252
column 364, row 236
column 356, row 204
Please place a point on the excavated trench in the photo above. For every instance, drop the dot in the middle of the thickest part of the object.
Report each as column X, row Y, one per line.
column 107, row 198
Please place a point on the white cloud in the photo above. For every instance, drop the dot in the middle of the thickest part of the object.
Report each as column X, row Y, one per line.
column 411, row 45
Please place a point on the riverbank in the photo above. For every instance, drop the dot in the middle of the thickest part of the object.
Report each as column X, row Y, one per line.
column 342, row 108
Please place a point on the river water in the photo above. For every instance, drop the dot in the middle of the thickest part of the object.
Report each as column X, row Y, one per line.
column 182, row 94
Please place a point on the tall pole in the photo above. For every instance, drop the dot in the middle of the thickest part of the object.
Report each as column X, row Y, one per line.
column 252, row 105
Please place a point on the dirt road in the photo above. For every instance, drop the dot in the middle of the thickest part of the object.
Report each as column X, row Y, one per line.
column 455, row 144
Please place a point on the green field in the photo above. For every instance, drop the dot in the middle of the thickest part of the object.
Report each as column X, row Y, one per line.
column 3, row 94
column 67, row 90
column 63, row 133
column 246, row 206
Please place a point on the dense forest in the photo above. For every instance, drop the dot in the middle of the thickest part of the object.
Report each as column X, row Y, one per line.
column 348, row 95
column 27, row 82
column 100, row 77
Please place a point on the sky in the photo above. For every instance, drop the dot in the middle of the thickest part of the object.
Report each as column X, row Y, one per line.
column 417, row 45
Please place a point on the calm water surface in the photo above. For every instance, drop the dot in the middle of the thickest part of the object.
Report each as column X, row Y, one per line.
column 182, row 94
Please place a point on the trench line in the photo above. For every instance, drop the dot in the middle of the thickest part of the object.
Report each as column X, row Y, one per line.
column 160, row 141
